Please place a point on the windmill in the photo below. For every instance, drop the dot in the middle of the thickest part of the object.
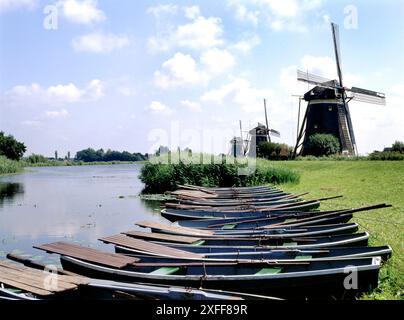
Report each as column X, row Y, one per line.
column 327, row 106
column 259, row 134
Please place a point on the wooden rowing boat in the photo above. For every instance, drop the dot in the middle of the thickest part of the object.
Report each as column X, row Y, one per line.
column 357, row 239
column 23, row 284
column 178, row 214
column 299, row 281
column 149, row 252
column 286, row 232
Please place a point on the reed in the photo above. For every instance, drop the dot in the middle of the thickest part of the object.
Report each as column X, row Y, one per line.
column 8, row 166
column 167, row 172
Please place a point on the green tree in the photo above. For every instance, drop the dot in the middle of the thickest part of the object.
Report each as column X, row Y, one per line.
column 90, row 155
column 398, row 146
column 320, row 144
column 10, row 147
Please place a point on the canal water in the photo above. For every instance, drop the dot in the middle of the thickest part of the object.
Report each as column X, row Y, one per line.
column 76, row 204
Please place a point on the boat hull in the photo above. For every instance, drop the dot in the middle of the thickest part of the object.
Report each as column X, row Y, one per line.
column 316, row 284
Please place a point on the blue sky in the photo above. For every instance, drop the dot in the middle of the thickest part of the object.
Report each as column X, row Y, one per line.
column 130, row 75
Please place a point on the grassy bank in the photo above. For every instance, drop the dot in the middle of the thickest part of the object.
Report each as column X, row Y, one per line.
column 166, row 173
column 8, row 166
column 363, row 183
column 66, row 163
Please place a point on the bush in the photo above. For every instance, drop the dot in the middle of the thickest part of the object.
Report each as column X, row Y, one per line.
column 274, row 151
column 161, row 177
column 322, row 145
column 36, row 158
column 386, row 155
column 9, row 166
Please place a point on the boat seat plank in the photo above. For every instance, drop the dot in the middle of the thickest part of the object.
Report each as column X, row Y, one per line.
column 165, row 271
column 33, row 273
column 25, row 287
column 88, row 254
column 266, row 271
column 140, row 245
column 162, row 236
column 34, row 281
column 190, row 231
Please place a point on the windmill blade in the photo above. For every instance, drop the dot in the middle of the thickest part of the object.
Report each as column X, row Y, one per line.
column 335, row 36
column 311, row 78
column 274, row 133
column 368, row 92
column 369, row 98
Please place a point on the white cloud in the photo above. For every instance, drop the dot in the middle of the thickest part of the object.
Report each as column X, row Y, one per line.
column 279, row 15
column 160, row 108
column 217, row 61
column 68, row 93
column 99, row 43
column 200, row 33
column 127, row 92
column 192, row 105
column 284, row 8
column 180, row 70
column 184, row 70
column 158, row 11
column 192, row 12
column 377, row 127
column 240, row 92
column 56, row 114
column 244, row 14
column 7, row 5
column 82, row 12
column 247, row 43
column 322, row 66
column 60, row 94
column 94, row 90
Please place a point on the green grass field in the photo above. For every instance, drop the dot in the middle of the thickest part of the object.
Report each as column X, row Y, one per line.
column 363, row 183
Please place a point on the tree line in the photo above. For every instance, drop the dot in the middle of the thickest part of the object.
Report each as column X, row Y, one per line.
column 91, row 155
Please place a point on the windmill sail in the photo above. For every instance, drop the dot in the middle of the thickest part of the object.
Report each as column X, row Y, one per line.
column 274, row 133
column 311, row 78
column 335, row 35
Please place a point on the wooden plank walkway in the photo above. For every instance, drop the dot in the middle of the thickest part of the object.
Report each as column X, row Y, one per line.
column 34, row 281
column 132, row 243
column 184, row 230
column 162, row 236
column 88, row 254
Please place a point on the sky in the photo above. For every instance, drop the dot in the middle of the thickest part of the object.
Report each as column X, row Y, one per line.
column 133, row 75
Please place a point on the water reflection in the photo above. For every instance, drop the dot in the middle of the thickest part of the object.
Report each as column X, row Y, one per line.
column 152, row 205
column 9, row 191
column 71, row 204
